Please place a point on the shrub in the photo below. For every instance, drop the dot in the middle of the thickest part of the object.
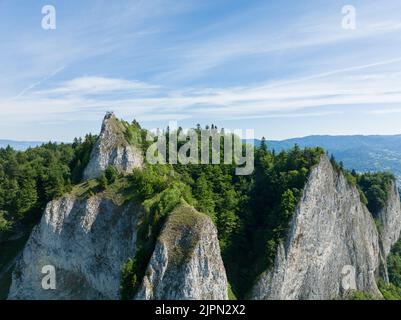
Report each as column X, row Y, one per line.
column 111, row 174
column 5, row 225
column 102, row 180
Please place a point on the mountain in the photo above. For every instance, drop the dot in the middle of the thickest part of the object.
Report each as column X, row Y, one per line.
column 331, row 230
column 113, row 149
column 19, row 145
column 133, row 230
column 363, row 153
column 88, row 239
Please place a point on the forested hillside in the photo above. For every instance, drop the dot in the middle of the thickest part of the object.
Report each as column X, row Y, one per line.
column 28, row 181
column 362, row 153
column 251, row 213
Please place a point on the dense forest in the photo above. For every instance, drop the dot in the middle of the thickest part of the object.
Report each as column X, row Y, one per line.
column 30, row 179
column 251, row 213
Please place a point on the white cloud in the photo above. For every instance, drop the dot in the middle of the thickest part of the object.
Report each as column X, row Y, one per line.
column 388, row 25
column 385, row 111
column 98, row 85
column 80, row 97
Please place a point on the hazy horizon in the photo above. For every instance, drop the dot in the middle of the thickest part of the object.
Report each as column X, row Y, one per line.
column 256, row 138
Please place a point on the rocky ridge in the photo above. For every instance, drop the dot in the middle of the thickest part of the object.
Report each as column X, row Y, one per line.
column 88, row 240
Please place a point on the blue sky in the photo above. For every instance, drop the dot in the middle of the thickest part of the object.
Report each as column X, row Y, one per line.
column 282, row 68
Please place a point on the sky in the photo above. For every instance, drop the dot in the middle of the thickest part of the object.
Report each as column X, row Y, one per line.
column 283, row 68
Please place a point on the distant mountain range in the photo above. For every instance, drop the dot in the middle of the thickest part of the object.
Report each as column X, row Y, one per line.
column 362, row 153
column 19, row 145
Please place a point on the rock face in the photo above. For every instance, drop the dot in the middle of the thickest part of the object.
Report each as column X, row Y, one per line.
column 331, row 233
column 112, row 148
column 390, row 220
column 87, row 242
column 389, row 226
column 186, row 263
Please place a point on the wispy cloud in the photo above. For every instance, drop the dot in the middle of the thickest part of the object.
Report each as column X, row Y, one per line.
column 40, row 82
column 385, row 111
column 342, row 87
column 89, row 85
column 161, row 60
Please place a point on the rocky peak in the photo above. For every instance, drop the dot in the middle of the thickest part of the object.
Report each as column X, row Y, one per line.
column 113, row 148
column 87, row 241
column 389, row 227
column 186, row 263
column 390, row 220
column 331, row 230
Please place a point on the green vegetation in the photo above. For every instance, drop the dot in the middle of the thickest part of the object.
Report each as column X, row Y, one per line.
column 231, row 295
column 389, row 291
column 30, row 179
column 9, row 250
column 107, row 178
column 359, row 295
column 376, row 187
column 5, row 225
column 130, row 133
column 252, row 213
column 185, row 224
column 269, row 199
column 158, row 203
column 373, row 187
column 392, row 291
column 394, row 264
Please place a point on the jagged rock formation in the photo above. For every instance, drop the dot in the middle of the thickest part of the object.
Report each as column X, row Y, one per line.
column 186, row 263
column 87, row 241
column 390, row 220
column 389, row 227
column 331, row 229
column 112, row 148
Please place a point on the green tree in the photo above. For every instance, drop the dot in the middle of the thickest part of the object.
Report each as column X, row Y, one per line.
column 111, row 174
column 287, row 204
column 204, row 195
column 103, row 182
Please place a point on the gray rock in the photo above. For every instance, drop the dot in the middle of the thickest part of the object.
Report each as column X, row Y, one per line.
column 186, row 263
column 389, row 226
column 112, row 148
column 390, row 220
column 331, row 229
column 87, row 241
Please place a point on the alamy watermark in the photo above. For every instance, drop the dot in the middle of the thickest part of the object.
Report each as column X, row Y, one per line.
column 348, row 278
column 49, row 17
column 202, row 146
column 49, row 280
column 349, row 17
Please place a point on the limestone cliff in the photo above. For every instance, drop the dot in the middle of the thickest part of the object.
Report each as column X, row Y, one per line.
column 330, row 230
column 389, row 227
column 89, row 238
column 87, row 242
column 112, row 148
column 390, row 220
column 186, row 263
